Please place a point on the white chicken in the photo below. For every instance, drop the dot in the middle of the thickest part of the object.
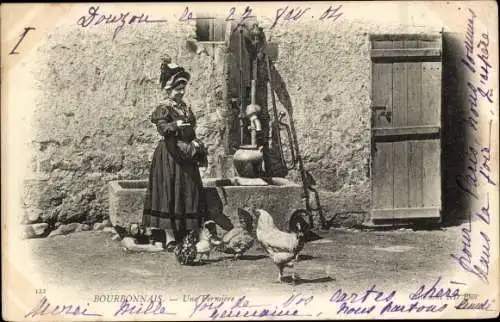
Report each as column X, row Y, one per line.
column 208, row 239
column 282, row 247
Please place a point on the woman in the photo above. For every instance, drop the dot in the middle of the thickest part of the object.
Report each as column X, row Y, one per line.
column 174, row 194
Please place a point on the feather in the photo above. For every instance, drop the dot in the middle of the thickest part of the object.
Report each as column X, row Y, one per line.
column 239, row 239
column 186, row 252
column 122, row 232
column 245, row 219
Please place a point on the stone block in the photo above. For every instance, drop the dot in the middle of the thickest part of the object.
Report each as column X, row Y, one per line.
column 126, row 201
column 36, row 230
column 280, row 198
column 66, row 229
column 33, row 216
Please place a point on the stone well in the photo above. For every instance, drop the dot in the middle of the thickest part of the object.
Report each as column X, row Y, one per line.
column 280, row 197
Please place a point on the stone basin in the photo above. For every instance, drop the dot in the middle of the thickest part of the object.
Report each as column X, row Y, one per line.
column 279, row 196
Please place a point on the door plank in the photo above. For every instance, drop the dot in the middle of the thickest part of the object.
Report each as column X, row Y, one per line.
column 415, row 183
column 382, row 94
column 382, row 44
column 427, row 44
column 414, row 72
column 414, row 147
column 400, row 152
column 400, row 149
column 410, row 43
column 398, row 43
column 431, row 173
column 431, row 115
column 431, row 93
column 382, row 179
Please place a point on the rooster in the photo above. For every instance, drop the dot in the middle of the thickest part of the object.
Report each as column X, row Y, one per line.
column 208, row 239
column 239, row 239
column 282, row 247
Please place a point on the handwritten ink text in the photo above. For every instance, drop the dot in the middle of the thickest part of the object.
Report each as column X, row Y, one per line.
column 121, row 19
column 434, row 292
column 153, row 308
column 391, row 307
column 485, row 66
column 243, row 308
column 330, row 13
column 286, row 14
column 480, row 267
column 355, row 303
column 468, row 60
column 468, row 182
column 44, row 307
column 466, row 304
column 485, row 169
column 26, row 30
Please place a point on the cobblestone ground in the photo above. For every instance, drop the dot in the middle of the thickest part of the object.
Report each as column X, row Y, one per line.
column 343, row 258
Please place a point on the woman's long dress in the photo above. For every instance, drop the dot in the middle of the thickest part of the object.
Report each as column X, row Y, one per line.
column 174, row 194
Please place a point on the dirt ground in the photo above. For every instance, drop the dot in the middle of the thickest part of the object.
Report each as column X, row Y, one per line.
column 93, row 262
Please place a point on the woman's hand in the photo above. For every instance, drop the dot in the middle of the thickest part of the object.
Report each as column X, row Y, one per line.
column 201, row 152
column 198, row 144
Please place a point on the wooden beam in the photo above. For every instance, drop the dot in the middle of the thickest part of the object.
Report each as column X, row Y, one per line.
column 406, row 55
column 406, row 130
column 405, row 213
column 397, row 37
column 406, row 52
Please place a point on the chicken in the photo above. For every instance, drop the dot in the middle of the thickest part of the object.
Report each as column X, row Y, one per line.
column 282, row 247
column 208, row 239
column 130, row 244
column 186, row 252
column 121, row 232
column 141, row 234
column 135, row 231
column 137, row 238
column 239, row 239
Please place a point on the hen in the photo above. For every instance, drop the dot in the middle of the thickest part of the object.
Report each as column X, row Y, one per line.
column 282, row 247
column 208, row 239
column 186, row 252
column 130, row 244
column 135, row 231
column 137, row 238
column 239, row 239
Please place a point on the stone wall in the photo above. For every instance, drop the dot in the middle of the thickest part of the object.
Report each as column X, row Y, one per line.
column 92, row 120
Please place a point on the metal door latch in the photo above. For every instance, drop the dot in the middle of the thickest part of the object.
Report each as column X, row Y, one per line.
column 387, row 115
column 384, row 113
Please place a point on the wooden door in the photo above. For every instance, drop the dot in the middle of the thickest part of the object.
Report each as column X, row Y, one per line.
column 406, row 126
